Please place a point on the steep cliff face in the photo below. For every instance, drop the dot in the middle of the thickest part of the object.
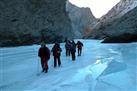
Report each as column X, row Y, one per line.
column 82, row 19
column 123, row 29
column 26, row 21
column 120, row 30
column 119, row 10
column 125, row 24
column 120, row 20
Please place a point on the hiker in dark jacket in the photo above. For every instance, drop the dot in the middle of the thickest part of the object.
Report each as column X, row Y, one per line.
column 57, row 53
column 66, row 40
column 73, row 50
column 44, row 54
column 79, row 47
column 68, row 47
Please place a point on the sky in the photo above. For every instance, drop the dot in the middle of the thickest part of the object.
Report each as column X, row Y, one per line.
column 98, row 7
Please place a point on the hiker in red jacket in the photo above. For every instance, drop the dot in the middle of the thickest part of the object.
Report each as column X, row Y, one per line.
column 44, row 54
column 79, row 47
column 57, row 53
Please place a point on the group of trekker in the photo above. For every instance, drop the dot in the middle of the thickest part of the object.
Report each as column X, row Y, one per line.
column 70, row 46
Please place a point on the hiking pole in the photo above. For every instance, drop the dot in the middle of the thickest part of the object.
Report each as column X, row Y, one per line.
column 38, row 59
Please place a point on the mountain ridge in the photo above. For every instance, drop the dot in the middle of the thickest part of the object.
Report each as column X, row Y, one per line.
column 119, row 26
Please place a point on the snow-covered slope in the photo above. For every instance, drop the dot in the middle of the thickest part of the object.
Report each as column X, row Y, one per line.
column 102, row 67
column 119, row 10
column 122, row 30
column 119, row 21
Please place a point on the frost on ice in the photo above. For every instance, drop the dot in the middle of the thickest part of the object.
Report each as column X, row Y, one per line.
column 102, row 67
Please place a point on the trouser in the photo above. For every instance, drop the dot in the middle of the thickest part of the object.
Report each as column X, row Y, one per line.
column 73, row 56
column 57, row 59
column 68, row 52
column 79, row 51
column 44, row 64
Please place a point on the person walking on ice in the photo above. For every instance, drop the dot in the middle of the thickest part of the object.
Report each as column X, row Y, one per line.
column 73, row 50
column 79, row 47
column 44, row 54
column 68, row 47
column 57, row 53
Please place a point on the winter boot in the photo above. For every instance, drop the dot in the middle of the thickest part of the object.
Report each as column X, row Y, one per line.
column 46, row 71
